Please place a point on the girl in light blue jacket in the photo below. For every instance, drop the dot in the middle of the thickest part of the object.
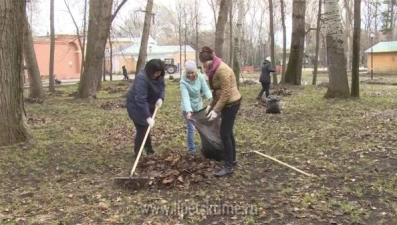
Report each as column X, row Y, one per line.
column 192, row 85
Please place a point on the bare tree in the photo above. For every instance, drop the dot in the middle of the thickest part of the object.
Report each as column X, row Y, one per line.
column 98, row 29
column 52, row 47
column 272, row 42
column 338, row 83
column 293, row 73
column 81, row 38
column 348, row 8
column 355, row 92
column 36, row 89
column 284, row 40
column 318, row 30
column 13, row 126
column 220, row 27
column 145, row 36
column 236, row 46
column 214, row 4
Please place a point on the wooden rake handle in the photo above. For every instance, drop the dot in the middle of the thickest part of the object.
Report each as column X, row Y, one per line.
column 285, row 164
column 143, row 144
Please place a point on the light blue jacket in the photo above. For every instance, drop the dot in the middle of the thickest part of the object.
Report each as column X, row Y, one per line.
column 191, row 92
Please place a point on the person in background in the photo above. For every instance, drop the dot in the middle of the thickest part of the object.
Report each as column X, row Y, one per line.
column 226, row 100
column 146, row 93
column 265, row 78
column 125, row 73
column 192, row 84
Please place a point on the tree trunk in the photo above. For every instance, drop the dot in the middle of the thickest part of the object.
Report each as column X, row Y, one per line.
column 272, row 45
column 110, row 58
column 196, row 7
column 284, row 40
column 35, row 85
column 356, row 50
column 52, row 48
column 237, row 38
column 84, row 38
column 338, row 83
column 231, row 52
column 318, row 29
column 348, row 32
column 100, row 13
column 220, row 27
column 13, row 126
column 145, row 37
column 293, row 73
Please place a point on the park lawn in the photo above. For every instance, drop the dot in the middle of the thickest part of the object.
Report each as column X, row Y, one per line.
column 64, row 174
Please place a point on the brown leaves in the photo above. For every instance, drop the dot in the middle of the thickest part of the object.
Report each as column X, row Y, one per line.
column 176, row 169
column 109, row 105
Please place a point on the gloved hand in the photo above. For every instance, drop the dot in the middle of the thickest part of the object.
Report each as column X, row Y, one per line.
column 159, row 102
column 207, row 109
column 150, row 121
column 212, row 115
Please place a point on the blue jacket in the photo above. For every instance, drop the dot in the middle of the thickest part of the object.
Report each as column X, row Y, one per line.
column 191, row 91
column 142, row 97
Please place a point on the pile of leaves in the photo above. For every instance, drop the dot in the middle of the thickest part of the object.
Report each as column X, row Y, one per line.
column 380, row 81
column 33, row 119
column 250, row 82
column 323, row 84
column 281, row 91
column 173, row 169
column 115, row 89
column 34, row 100
column 109, row 105
column 73, row 94
column 58, row 93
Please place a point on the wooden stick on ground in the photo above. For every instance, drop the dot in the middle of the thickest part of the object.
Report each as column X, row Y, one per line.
column 298, row 170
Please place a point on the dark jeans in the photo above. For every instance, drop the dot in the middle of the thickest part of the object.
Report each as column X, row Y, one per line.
column 228, row 116
column 139, row 136
column 265, row 88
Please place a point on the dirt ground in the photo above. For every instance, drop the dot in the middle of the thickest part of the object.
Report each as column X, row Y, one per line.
column 64, row 175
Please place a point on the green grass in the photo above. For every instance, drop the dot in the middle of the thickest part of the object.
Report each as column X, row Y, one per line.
column 64, row 175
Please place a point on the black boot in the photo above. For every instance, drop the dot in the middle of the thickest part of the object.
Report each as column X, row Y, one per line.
column 149, row 151
column 227, row 169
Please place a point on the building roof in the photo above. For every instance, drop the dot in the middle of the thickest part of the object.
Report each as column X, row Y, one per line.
column 159, row 51
column 136, row 40
column 384, row 46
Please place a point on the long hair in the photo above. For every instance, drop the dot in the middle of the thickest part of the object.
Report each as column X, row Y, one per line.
column 153, row 66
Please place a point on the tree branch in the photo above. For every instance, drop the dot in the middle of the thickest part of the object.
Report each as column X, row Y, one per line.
column 118, row 9
column 310, row 30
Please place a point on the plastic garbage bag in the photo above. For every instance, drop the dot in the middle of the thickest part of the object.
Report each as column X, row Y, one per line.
column 272, row 103
column 209, row 131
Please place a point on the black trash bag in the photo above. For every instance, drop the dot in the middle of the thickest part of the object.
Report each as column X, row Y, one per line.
column 209, row 131
column 272, row 105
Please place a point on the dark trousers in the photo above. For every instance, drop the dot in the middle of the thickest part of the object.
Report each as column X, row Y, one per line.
column 139, row 136
column 265, row 88
column 228, row 116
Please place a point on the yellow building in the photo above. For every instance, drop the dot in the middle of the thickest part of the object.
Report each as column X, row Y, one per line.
column 382, row 58
column 125, row 53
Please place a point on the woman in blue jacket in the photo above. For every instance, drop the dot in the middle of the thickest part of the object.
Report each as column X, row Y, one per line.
column 147, row 92
column 192, row 85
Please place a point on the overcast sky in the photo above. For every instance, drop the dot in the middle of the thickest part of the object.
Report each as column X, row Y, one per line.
column 64, row 23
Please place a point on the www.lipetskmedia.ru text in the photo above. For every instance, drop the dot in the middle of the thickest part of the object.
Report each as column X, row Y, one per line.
column 178, row 208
